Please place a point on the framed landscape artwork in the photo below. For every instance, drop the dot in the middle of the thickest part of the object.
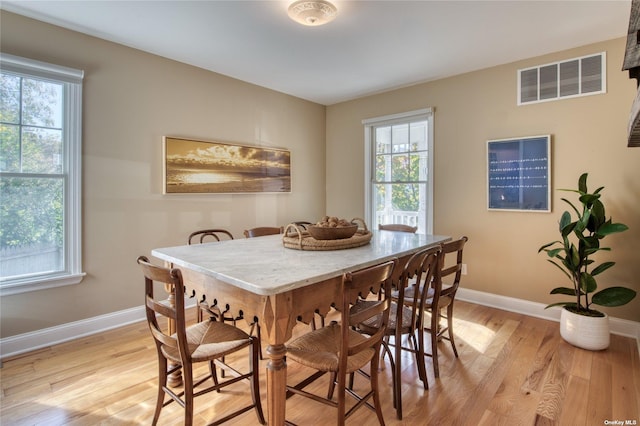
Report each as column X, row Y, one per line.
column 518, row 174
column 197, row 167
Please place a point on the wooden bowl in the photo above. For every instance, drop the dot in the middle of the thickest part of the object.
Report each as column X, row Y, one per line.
column 337, row 233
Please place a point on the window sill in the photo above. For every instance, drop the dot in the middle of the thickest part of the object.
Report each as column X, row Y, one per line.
column 25, row 285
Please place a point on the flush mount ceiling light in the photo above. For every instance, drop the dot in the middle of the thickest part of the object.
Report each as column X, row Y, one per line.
column 312, row 12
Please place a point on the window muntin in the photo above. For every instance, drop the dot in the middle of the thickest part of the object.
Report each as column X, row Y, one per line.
column 40, row 169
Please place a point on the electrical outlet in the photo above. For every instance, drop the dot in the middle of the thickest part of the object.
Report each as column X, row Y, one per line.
column 464, row 269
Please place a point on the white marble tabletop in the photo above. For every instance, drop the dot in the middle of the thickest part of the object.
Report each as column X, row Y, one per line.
column 264, row 266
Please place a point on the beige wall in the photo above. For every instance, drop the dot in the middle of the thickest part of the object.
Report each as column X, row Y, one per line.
column 132, row 99
column 588, row 135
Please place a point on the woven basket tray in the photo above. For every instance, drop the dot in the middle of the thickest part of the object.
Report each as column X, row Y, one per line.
column 295, row 237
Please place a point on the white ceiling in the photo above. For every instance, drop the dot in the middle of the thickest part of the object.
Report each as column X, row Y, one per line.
column 371, row 46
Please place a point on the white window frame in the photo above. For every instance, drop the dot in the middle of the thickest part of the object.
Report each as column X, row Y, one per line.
column 425, row 114
column 72, row 142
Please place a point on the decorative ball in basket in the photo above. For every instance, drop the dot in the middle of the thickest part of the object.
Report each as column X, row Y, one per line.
column 332, row 228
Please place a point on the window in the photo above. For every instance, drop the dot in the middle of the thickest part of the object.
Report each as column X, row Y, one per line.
column 399, row 181
column 40, row 172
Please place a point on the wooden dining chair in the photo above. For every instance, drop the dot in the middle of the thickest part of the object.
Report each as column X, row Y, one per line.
column 398, row 227
column 339, row 350
column 214, row 234
column 302, row 224
column 261, row 231
column 449, row 273
column 405, row 320
column 221, row 312
column 441, row 297
column 208, row 341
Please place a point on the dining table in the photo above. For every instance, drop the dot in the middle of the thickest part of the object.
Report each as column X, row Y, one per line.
column 262, row 280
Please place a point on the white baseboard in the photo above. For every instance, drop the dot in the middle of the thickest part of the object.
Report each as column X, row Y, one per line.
column 21, row 343
column 27, row 342
column 16, row 345
column 618, row 326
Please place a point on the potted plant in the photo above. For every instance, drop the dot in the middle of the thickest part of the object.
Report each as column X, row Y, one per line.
column 580, row 324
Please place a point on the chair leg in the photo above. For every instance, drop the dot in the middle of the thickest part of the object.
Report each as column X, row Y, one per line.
column 214, row 373
column 222, row 370
column 255, row 379
column 256, row 327
column 187, row 379
column 450, row 326
column 422, row 371
column 259, row 341
column 397, row 379
column 162, row 382
column 384, row 348
column 341, row 408
column 332, row 385
column 313, row 325
column 435, row 321
column 374, row 388
column 385, row 339
column 199, row 314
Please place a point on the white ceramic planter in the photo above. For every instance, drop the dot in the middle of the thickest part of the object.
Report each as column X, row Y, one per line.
column 590, row 333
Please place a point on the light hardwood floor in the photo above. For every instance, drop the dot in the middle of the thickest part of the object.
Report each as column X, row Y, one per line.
column 512, row 370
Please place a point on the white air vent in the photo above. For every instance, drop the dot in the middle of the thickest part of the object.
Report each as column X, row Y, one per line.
column 567, row 79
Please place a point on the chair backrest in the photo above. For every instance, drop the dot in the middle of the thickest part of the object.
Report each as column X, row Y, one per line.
column 216, row 234
column 303, row 224
column 398, row 227
column 156, row 307
column 451, row 264
column 357, row 285
column 261, row 231
column 420, row 273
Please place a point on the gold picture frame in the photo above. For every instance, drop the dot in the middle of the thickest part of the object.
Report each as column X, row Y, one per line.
column 202, row 167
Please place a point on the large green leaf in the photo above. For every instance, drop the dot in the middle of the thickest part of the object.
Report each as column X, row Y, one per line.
column 588, row 283
column 613, row 296
column 612, row 228
column 589, row 199
column 591, row 251
column 591, row 242
column 548, row 245
column 581, row 225
column 596, row 216
column 564, row 271
column 560, row 304
column 582, row 182
column 597, row 210
column 601, row 268
column 564, row 290
column 573, row 258
column 554, row 252
column 571, row 204
column 565, row 223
